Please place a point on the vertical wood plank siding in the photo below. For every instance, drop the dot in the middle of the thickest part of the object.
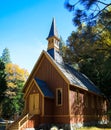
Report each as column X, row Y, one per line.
column 50, row 75
column 48, row 104
column 33, row 91
column 87, row 108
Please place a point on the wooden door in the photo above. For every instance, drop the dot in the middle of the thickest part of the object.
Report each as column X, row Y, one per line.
column 34, row 104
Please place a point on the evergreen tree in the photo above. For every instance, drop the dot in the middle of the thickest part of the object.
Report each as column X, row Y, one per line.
column 6, row 56
column 15, row 77
column 61, row 45
column 93, row 57
column 3, row 85
column 87, row 11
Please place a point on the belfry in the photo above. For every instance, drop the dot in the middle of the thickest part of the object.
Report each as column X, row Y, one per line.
column 53, row 39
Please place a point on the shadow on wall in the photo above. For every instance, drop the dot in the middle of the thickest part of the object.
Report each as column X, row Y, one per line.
column 87, row 109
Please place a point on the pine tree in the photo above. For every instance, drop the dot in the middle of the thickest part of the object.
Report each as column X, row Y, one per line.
column 3, row 85
column 61, row 44
column 6, row 56
column 15, row 77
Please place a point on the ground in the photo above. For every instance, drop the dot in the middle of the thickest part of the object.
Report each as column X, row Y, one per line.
column 93, row 128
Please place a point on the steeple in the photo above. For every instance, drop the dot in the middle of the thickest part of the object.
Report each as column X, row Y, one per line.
column 53, row 30
column 53, row 40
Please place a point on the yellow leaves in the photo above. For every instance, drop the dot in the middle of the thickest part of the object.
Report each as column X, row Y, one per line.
column 14, row 72
column 10, row 93
column 15, row 76
column 11, row 85
column 106, row 37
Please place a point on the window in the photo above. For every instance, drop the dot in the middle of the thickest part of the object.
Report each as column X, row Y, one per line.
column 59, row 96
column 92, row 101
column 86, row 99
column 77, row 100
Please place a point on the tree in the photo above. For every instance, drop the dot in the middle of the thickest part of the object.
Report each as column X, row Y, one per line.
column 90, row 45
column 93, row 57
column 6, row 56
column 15, row 77
column 103, row 27
column 3, row 85
column 87, row 11
column 61, row 45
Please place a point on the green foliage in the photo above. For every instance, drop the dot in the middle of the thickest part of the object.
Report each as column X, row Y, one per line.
column 61, row 45
column 3, row 85
column 87, row 11
column 90, row 48
column 14, row 104
column 15, row 77
column 12, row 80
column 6, row 56
column 94, row 60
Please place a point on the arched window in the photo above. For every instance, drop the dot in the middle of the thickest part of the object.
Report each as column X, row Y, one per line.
column 59, row 96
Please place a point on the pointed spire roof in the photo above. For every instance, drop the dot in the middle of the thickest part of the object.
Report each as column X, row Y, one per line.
column 53, row 30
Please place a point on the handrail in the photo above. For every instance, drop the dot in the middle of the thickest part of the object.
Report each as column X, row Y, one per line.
column 20, row 121
column 23, row 120
column 15, row 122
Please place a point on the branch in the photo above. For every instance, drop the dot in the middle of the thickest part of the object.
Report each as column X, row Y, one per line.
column 101, row 11
column 102, row 2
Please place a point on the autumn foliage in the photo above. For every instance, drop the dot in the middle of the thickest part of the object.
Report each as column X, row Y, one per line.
column 14, row 79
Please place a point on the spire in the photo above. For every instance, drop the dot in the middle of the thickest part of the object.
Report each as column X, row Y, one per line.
column 53, row 30
column 53, row 40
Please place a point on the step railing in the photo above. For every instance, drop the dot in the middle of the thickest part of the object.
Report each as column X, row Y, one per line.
column 23, row 120
column 9, row 126
column 20, row 122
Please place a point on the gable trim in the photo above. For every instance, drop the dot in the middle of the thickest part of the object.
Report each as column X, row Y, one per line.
column 56, row 67
column 29, row 88
column 37, row 65
column 38, row 62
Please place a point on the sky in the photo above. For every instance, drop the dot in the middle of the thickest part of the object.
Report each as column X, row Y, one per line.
column 25, row 25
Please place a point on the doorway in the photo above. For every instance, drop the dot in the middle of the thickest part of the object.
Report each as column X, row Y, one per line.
column 34, row 104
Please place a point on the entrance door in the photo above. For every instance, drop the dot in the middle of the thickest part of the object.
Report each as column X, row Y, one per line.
column 34, row 104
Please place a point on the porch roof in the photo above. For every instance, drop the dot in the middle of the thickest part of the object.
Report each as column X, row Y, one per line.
column 44, row 88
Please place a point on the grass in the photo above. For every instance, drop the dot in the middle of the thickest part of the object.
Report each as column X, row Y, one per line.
column 93, row 128
column 99, row 127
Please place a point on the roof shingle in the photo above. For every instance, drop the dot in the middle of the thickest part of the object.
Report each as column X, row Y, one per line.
column 75, row 77
column 44, row 88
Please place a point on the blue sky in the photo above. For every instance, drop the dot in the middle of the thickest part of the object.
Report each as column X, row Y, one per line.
column 25, row 24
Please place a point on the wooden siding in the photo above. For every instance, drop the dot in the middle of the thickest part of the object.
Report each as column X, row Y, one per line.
column 55, row 119
column 48, row 104
column 33, row 90
column 86, row 107
column 51, row 76
column 77, row 105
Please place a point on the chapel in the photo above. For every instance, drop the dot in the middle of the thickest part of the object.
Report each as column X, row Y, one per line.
column 56, row 94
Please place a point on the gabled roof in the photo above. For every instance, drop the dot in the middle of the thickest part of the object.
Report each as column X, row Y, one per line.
column 44, row 88
column 33, row 72
column 71, row 76
column 53, row 30
column 75, row 77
